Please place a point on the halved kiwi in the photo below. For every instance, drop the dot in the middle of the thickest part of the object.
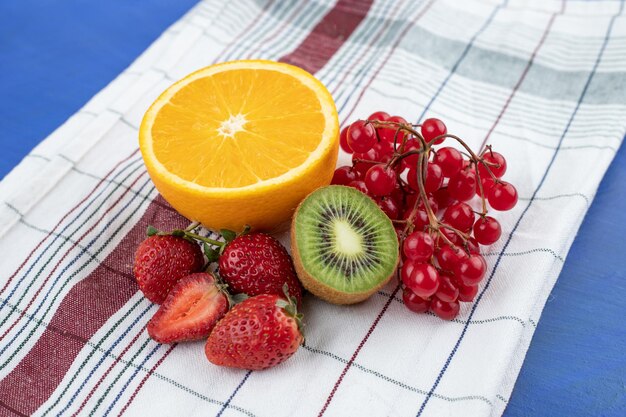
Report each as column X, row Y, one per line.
column 344, row 247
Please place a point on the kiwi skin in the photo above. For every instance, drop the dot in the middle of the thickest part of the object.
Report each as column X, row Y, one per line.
column 322, row 290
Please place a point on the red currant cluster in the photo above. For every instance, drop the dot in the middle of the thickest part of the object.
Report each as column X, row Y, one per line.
column 428, row 193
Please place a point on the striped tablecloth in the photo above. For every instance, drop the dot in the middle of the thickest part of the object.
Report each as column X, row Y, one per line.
column 543, row 81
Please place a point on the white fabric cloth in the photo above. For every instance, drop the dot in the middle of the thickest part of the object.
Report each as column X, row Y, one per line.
column 558, row 119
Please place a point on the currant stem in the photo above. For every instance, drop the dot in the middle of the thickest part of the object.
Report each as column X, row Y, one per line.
column 464, row 236
column 445, row 238
column 461, row 141
column 393, row 161
column 421, row 163
column 418, row 135
column 366, row 161
column 482, row 193
column 476, row 159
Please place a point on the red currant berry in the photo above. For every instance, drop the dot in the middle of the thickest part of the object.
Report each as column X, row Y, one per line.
column 434, row 178
column 413, row 198
column 411, row 160
column 467, row 293
column 502, row 196
column 462, row 186
column 451, row 235
column 460, row 216
column 401, row 133
column 381, row 116
column 343, row 140
column 414, row 302
column 487, row 183
column 363, row 167
column 384, row 150
column 450, row 160
column 431, row 128
column 434, row 205
column 446, row 311
column 494, row 158
column 472, row 245
column 361, row 136
column 398, row 195
column 411, row 178
column 389, row 206
column 344, row 175
column 487, row 230
column 423, row 281
column 443, row 198
column 447, row 290
column 418, row 246
column 388, row 134
column 471, row 270
column 380, row 180
column 420, row 219
column 407, row 269
column 359, row 185
column 449, row 257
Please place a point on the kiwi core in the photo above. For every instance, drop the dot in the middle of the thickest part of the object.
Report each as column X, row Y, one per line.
column 347, row 240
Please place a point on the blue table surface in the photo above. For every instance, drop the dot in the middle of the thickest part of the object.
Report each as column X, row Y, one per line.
column 56, row 54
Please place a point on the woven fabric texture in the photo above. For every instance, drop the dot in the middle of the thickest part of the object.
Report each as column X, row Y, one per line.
column 542, row 81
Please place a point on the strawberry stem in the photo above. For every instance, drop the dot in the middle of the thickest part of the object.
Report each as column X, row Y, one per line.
column 192, row 226
column 204, row 239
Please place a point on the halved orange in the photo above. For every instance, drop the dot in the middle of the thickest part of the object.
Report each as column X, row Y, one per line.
column 241, row 142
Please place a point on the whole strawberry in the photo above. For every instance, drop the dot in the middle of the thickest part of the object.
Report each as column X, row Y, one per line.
column 258, row 333
column 161, row 260
column 190, row 310
column 257, row 264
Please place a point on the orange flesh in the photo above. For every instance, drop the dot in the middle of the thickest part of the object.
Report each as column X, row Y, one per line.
column 238, row 127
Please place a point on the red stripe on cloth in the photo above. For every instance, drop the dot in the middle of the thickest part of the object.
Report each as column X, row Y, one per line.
column 328, row 35
column 390, row 18
column 356, row 352
column 254, row 53
column 523, row 76
column 84, row 310
column 108, row 174
column 145, row 378
column 72, row 246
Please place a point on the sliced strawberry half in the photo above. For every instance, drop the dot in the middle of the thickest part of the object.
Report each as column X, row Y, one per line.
column 190, row 311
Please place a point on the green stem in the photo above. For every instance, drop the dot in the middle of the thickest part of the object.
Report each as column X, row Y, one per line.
column 204, row 239
column 192, row 226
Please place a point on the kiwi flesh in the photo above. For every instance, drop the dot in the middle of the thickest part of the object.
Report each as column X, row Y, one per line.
column 344, row 246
